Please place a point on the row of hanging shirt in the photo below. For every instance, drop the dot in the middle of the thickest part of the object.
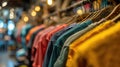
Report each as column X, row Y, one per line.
column 93, row 42
column 74, row 44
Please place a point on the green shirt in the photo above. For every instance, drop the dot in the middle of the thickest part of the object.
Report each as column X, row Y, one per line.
column 61, row 60
column 60, row 41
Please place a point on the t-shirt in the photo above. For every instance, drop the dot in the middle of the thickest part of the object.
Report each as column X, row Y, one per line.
column 40, row 50
column 61, row 61
column 30, row 44
column 96, row 30
column 52, row 41
column 60, row 41
column 35, row 44
column 24, row 32
column 101, row 50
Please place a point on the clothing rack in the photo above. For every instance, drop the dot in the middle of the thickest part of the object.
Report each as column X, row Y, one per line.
column 68, row 8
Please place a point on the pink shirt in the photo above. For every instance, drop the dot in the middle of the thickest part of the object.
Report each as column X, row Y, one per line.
column 43, row 43
column 35, row 51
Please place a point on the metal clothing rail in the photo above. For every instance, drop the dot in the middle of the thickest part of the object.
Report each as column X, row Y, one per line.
column 68, row 8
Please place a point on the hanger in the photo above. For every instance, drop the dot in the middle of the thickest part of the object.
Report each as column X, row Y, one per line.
column 76, row 18
column 83, row 16
column 79, row 18
column 94, row 14
column 91, row 14
column 71, row 19
column 114, row 13
column 116, row 18
column 103, row 13
column 87, row 16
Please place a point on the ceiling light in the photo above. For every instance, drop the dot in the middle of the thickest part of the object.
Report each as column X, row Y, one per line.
column 26, row 19
column 50, row 2
column 33, row 13
column 37, row 8
column 79, row 12
column 4, row 4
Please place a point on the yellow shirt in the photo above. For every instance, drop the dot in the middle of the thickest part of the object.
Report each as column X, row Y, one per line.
column 88, row 35
column 101, row 50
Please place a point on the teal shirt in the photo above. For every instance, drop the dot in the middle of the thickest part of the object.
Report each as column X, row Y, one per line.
column 24, row 32
column 60, row 41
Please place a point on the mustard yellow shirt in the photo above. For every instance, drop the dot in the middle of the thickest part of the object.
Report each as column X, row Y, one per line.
column 96, row 30
column 101, row 50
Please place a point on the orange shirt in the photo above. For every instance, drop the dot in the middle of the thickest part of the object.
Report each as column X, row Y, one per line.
column 32, row 31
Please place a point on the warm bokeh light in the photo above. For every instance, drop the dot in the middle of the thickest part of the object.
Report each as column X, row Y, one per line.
column 26, row 19
column 37, row 8
column 79, row 12
column 4, row 4
column 50, row 2
column 33, row 13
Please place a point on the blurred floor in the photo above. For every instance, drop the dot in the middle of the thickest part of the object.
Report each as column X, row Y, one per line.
column 6, row 60
column 3, row 59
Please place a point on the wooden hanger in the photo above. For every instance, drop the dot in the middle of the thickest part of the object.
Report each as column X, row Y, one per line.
column 117, row 18
column 92, row 15
column 114, row 13
column 97, row 13
column 76, row 18
column 103, row 13
column 71, row 20
column 83, row 16
column 87, row 16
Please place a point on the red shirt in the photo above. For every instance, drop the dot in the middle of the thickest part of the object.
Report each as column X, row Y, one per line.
column 35, row 50
column 43, row 43
column 55, row 30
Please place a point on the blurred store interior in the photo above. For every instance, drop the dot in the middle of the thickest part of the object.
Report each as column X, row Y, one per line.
column 49, row 33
